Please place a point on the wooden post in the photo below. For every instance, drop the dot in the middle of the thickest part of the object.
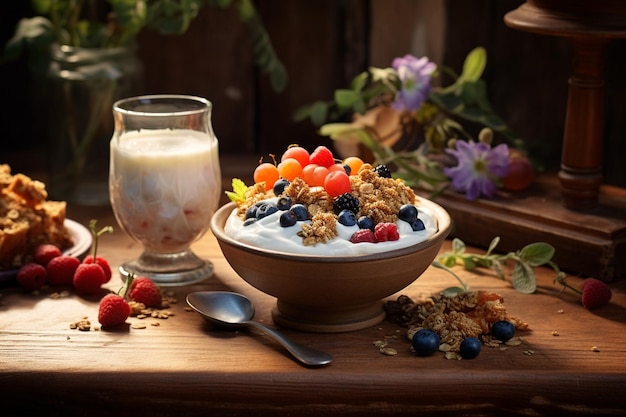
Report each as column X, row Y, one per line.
column 589, row 25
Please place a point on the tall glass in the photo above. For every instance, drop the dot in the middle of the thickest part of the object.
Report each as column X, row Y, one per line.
column 165, row 183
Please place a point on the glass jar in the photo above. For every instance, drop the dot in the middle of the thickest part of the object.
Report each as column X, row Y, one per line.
column 83, row 85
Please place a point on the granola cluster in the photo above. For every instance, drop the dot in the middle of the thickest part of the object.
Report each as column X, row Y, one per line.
column 379, row 198
column 469, row 314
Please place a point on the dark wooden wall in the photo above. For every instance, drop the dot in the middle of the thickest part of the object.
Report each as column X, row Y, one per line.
column 323, row 44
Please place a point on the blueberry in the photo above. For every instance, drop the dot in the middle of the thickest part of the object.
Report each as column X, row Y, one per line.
column 347, row 218
column 249, row 221
column 283, row 203
column 408, row 213
column 265, row 209
column 300, row 211
column 365, row 222
column 502, row 330
column 280, row 185
column 288, row 219
column 347, row 168
column 425, row 342
column 417, row 225
column 470, row 348
column 251, row 211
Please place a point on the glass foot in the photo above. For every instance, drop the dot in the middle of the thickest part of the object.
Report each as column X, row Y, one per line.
column 169, row 270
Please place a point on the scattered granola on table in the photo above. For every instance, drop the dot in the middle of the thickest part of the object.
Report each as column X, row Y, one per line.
column 468, row 314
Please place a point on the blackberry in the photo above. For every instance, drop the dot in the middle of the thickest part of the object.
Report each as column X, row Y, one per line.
column 382, row 171
column 346, row 201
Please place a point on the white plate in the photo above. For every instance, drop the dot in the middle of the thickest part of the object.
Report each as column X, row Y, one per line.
column 82, row 238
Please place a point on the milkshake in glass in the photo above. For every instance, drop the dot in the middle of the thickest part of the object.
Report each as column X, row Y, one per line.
column 165, row 183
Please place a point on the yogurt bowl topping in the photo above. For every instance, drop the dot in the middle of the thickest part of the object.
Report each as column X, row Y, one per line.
column 342, row 210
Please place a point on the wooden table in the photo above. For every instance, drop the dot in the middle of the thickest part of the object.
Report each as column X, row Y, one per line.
column 184, row 367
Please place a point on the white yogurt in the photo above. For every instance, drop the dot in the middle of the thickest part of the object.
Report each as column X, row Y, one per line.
column 268, row 233
column 165, row 185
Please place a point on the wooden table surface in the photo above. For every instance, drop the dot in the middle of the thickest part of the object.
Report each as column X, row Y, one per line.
column 184, row 367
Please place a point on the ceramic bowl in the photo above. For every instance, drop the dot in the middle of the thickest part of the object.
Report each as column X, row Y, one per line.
column 330, row 294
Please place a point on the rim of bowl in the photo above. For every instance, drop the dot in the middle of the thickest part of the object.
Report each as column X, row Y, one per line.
column 444, row 226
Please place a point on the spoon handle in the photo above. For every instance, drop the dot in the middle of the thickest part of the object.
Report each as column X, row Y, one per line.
column 304, row 354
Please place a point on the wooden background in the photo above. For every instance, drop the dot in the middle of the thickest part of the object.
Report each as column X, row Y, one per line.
column 323, row 44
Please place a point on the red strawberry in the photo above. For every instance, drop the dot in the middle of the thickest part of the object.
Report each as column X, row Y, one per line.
column 45, row 252
column 386, row 231
column 144, row 290
column 595, row 293
column 113, row 310
column 322, row 156
column 363, row 235
column 32, row 276
column 103, row 263
column 61, row 269
column 88, row 278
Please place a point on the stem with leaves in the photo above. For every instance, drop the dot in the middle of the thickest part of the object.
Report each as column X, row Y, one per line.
column 525, row 260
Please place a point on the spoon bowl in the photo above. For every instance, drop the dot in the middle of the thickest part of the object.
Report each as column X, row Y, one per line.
column 229, row 309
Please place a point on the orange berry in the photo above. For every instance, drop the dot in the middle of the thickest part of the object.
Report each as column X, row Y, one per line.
column 267, row 173
column 355, row 163
column 298, row 153
column 314, row 175
column 337, row 183
column 289, row 168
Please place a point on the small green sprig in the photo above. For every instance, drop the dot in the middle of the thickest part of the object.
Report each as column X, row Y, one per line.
column 239, row 191
column 525, row 260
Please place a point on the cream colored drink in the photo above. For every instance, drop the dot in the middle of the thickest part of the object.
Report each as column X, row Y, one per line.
column 165, row 185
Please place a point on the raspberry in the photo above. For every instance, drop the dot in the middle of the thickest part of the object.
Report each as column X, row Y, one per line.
column 363, row 235
column 322, row 156
column 88, row 278
column 386, row 232
column 103, row 263
column 382, row 171
column 595, row 293
column 144, row 290
column 113, row 310
column 45, row 252
column 61, row 269
column 346, row 201
column 32, row 276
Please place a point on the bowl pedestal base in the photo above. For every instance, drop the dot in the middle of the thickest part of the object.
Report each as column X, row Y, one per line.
column 328, row 320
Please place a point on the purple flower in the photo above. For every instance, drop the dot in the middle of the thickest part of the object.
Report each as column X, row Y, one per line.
column 415, row 85
column 479, row 167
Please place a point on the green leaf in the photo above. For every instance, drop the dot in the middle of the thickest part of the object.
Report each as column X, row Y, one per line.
column 359, row 82
column 239, row 191
column 452, row 292
column 497, row 267
column 468, row 263
column 319, row 113
column 493, row 244
column 345, row 99
column 458, row 246
column 449, row 101
column 335, row 130
column 537, row 254
column 474, row 65
column 523, row 278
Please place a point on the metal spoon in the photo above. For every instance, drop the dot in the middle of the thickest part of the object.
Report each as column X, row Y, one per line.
column 235, row 310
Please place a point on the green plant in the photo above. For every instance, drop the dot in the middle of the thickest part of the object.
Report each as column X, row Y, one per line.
column 524, row 260
column 114, row 23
